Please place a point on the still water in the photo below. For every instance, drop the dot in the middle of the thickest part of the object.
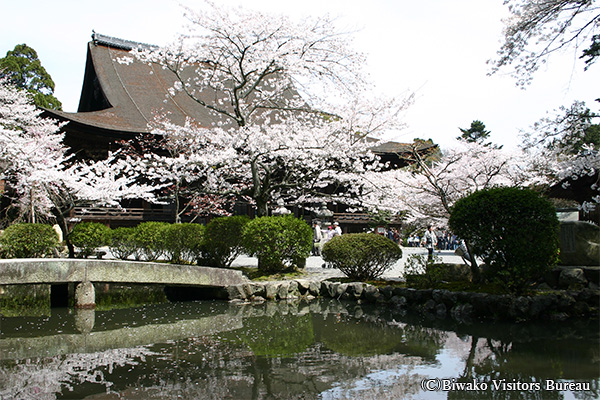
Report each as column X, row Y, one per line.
column 304, row 350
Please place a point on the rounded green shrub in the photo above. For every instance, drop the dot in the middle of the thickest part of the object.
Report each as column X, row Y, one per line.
column 28, row 241
column 183, row 242
column 514, row 231
column 278, row 242
column 361, row 256
column 150, row 239
column 122, row 242
column 223, row 240
column 88, row 236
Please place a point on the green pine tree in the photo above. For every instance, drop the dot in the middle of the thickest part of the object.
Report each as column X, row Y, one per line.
column 476, row 133
column 23, row 68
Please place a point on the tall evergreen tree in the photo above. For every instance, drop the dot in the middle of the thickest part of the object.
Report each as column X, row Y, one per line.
column 476, row 133
column 23, row 69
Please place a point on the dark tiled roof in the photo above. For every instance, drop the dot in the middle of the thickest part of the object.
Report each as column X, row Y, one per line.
column 399, row 148
column 109, row 41
column 133, row 91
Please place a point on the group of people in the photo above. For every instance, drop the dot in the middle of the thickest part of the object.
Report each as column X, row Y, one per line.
column 432, row 239
column 445, row 240
column 394, row 235
column 322, row 236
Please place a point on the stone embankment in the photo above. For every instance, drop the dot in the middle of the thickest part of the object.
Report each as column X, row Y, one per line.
column 461, row 306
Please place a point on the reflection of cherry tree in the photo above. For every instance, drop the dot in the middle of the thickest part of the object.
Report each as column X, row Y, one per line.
column 486, row 357
column 45, row 378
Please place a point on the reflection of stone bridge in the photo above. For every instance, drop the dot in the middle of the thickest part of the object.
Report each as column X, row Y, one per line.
column 60, row 272
column 16, row 348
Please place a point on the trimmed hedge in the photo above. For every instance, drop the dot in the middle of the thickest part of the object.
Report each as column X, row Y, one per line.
column 150, row 239
column 514, row 231
column 88, row 236
column 122, row 242
column 183, row 242
column 278, row 242
column 361, row 256
column 223, row 240
column 27, row 240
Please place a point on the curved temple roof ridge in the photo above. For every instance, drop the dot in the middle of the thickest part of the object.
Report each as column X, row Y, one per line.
column 120, row 94
column 123, row 44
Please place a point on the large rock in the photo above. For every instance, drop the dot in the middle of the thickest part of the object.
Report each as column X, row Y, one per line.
column 371, row 293
column 271, row 289
column 579, row 243
column 355, row 290
column 572, row 278
column 236, row 292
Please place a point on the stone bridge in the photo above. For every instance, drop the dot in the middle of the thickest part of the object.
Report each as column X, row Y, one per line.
column 83, row 272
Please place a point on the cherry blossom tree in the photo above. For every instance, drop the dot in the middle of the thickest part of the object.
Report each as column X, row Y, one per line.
column 293, row 118
column 249, row 66
column 565, row 146
column 293, row 162
column 174, row 159
column 41, row 180
column 537, row 29
column 30, row 146
column 567, row 130
column 426, row 191
column 428, row 188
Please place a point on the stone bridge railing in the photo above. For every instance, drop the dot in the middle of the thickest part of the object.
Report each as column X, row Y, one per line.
column 85, row 271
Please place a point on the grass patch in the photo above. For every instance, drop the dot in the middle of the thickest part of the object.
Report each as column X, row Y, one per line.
column 378, row 283
column 255, row 274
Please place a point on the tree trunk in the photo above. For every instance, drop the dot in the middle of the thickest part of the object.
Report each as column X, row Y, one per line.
column 262, row 208
column 260, row 189
column 475, row 273
column 177, row 214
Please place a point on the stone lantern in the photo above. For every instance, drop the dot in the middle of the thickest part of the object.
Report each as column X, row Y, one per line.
column 280, row 210
column 324, row 215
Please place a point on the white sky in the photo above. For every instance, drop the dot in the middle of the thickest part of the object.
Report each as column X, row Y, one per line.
column 435, row 48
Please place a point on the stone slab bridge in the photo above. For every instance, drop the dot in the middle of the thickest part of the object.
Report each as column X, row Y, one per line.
column 59, row 272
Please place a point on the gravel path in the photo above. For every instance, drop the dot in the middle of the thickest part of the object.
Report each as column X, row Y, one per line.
column 314, row 264
column 315, row 269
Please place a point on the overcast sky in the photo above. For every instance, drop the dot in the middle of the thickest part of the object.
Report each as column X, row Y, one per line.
column 435, row 48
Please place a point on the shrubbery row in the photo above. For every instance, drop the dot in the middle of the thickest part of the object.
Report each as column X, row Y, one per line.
column 28, row 241
column 513, row 231
column 278, row 242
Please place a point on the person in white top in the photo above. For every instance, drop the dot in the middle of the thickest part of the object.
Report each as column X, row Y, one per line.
column 337, row 229
column 430, row 239
column 317, row 238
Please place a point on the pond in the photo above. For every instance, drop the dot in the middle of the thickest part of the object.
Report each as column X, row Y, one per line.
column 322, row 349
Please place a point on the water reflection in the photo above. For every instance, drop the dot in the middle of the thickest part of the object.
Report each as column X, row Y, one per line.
column 322, row 349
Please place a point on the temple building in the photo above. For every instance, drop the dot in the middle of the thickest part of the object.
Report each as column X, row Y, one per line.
column 119, row 98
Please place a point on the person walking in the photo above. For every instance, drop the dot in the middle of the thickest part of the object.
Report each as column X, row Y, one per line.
column 317, row 238
column 430, row 239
